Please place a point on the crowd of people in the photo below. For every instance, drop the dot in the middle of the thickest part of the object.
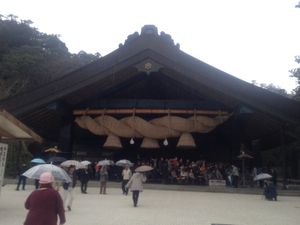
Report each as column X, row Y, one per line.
column 177, row 171
column 186, row 171
column 168, row 171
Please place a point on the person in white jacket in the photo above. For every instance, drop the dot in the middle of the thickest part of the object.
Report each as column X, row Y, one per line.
column 135, row 184
column 126, row 174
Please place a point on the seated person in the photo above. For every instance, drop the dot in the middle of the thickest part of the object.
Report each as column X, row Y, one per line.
column 173, row 176
column 183, row 178
column 191, row 176
column 270, row 191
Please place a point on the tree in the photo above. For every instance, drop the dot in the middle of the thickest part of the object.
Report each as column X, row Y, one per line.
column 296, row 71
column 273, row 88
column 29, row 58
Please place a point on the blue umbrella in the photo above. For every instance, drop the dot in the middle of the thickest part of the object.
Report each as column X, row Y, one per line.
column 38, row 161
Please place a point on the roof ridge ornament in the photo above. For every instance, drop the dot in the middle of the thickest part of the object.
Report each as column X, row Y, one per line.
column 150, row 30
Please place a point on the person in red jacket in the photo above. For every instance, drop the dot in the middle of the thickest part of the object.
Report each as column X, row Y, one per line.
column 45, row 204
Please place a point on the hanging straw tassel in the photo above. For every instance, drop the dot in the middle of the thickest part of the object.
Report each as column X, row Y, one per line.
column 186, row 140
column 112, row 141
column 149, row 143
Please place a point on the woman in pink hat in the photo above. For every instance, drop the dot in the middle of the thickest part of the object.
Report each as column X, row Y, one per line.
column 45, row 204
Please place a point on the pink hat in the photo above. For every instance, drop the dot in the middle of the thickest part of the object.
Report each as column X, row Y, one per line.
column 46, row 178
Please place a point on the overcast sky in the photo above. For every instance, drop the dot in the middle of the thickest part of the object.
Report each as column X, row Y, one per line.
column 250, row 39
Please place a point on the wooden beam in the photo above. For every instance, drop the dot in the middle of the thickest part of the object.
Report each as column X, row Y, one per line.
column 13, row 120
column 80, row 112
column 4, row 133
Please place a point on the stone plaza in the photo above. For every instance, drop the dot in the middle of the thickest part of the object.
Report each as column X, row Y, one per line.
column 161, row 207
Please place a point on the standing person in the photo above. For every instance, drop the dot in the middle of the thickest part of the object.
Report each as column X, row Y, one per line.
column 126, row 174
column 22, row 179
column 253, row 175
column 274, row 176
column 97, row 171
column 45, row 204
column 228, row 172
column 103, row 179
column 84, row 177
column 36, row 183
column 270, row 191
column 235, row 176
column 136, row 186
column 68, row 188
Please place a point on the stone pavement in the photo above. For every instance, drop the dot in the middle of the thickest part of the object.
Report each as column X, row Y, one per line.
column 161, row 207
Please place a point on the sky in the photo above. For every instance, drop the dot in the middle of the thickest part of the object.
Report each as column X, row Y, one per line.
column 249, row 39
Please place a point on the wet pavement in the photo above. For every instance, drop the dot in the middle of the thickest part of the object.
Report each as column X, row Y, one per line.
column 161, row 207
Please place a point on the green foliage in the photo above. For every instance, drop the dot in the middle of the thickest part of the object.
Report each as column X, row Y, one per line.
column 296, row 73
column 29, row 58
column 272, row 88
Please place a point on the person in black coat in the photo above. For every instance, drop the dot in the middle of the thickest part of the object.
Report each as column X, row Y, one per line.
column 270, row 191
column 22, row 179
column 84, row 176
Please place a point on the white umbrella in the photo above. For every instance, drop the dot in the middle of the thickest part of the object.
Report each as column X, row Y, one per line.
column 105, row 162
column 75, row 163
column 244, row 155
column 124, row 162
column 55, row 150
column 86, row 162
column 144, row 168
column 262, row 176
column 57, row 172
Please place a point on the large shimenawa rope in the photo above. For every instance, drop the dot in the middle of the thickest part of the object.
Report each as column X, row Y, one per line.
column 159, row 128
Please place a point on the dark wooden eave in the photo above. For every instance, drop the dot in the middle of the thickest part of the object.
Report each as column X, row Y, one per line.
column 120, row 66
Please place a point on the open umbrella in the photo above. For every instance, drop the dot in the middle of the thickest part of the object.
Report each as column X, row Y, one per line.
column 55, row 150
column 38, row 161
column 262, row 176
column 86, row 162
column 105, row 162
column 75, row 163
column 144, row 168
column 56, row 160
column 57, row 172
column 244, row 155
column 124, row 162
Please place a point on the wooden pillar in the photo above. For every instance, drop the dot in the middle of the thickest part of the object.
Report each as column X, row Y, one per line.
column 284, row 156
column 66, row 139
column 235, row 136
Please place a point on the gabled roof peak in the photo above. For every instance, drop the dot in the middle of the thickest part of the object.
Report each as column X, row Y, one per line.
column 150, row 30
